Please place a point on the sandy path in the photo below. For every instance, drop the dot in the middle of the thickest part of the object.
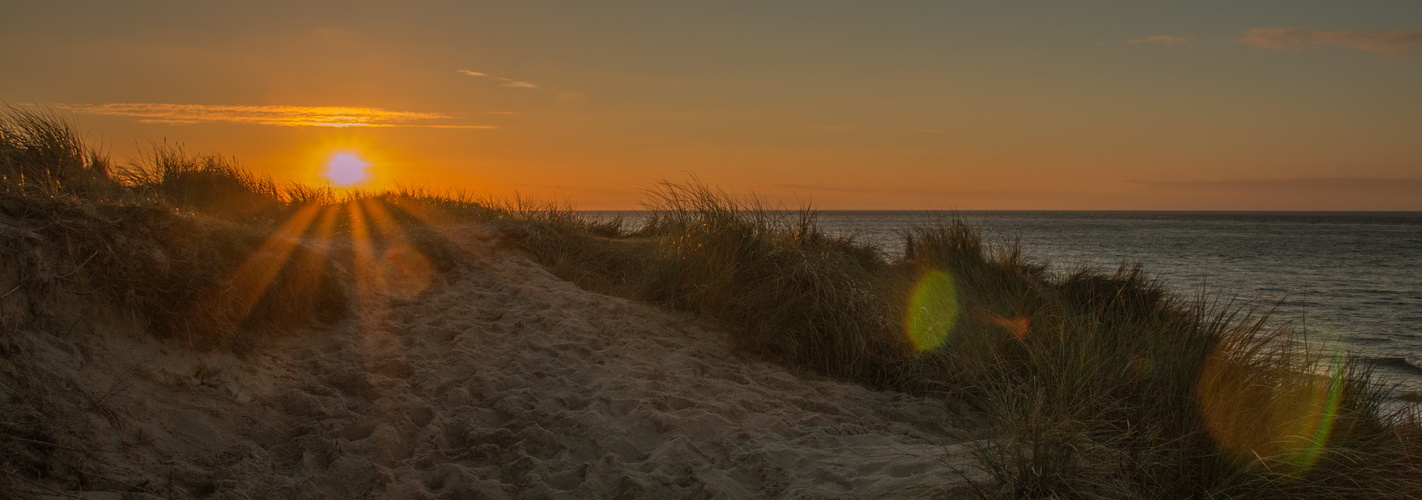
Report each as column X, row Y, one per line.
column 498, row 381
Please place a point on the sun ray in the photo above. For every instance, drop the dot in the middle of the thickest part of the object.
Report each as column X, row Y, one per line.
column 370, row 285
column 245, row 286
column 384, row 351
column 429, row 219
column 309, row 270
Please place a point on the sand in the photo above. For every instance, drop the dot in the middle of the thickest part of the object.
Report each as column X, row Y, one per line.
column 499, row 380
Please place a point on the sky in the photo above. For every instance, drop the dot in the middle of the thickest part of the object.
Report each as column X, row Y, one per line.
column 1285, row 105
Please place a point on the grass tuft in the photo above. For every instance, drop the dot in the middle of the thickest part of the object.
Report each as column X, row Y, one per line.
column 42, row 154
column 209, row 183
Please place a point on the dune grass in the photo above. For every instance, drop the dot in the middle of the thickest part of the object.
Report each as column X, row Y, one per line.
column 1098, row 384
column 162, row 237
column 208, row 183
column 43, row 155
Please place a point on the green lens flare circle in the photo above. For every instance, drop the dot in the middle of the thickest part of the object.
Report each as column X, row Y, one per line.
column 1314, row 412
column 932, row 312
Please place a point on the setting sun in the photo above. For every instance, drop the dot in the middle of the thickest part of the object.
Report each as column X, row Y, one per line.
column 346, row 169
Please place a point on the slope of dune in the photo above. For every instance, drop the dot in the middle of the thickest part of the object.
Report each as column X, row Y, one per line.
column 498, row 380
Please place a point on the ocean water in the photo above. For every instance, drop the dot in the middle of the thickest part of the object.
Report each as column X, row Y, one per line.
column 1351, row 276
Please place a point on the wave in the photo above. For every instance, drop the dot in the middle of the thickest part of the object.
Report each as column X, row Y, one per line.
column 1411, row 363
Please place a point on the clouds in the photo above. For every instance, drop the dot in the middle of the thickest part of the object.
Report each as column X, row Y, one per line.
column 508, row 82
column 286, row 116
column 900, row 191
column 572, row 96
column 1320, row 186
column 1164, row 40
column 1395, row 42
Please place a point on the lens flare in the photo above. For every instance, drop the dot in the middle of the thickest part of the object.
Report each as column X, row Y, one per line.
column 405, row 270
column 1262, row 414
column 932, row 311
column 1017, row 326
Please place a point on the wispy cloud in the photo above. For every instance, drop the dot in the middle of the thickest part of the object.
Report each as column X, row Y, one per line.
column 1293, row 193
column 1384, row 42
column 1312, row 184
column 508, row 82
column 898, row 191
column 288, row 116
column 1164, row 39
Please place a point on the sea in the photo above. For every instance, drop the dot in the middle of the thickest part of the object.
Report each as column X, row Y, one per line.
column 1350, row 278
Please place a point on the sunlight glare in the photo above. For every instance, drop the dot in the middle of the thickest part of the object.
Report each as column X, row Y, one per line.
column 346, row 169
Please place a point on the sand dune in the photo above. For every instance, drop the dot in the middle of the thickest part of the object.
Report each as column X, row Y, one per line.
column 498, row 381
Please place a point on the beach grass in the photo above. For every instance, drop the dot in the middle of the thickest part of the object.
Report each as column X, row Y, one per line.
column 1098, row 384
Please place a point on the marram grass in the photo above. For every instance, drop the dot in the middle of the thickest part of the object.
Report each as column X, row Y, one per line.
column 1099, row 385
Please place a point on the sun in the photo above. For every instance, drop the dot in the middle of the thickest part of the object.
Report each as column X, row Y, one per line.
column 346, row 169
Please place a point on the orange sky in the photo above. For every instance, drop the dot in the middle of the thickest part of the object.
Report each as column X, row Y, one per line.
column 848, row 105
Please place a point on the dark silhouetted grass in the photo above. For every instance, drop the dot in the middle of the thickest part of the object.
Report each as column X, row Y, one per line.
column 43, row 155
column 208, row 183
